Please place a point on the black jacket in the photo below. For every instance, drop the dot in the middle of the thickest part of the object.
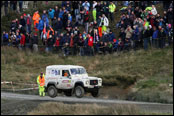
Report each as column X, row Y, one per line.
column 145, row 34
column 56, row 13
column 22, row 22
column 35, row 40
column 161, row 34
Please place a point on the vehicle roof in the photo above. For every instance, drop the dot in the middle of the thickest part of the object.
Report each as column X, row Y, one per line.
column 64, row 66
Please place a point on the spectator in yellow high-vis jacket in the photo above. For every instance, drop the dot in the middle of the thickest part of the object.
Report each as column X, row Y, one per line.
column 112, row 8
column 41, row 83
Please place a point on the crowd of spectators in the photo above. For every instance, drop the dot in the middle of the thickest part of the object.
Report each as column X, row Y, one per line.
column 60, row 28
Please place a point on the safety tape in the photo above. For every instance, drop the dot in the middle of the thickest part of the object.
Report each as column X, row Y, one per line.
column 25, row 89
column 35, row 86
column 7, row 82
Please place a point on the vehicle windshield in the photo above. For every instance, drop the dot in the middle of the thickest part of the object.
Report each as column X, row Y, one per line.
column 75, row 71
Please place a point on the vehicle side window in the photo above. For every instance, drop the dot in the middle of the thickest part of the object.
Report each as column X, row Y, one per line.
column 65, row 73
column 55, row 72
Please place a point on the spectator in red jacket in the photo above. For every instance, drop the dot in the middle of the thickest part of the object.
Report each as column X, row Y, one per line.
column 22, row 41
column 57, row 44
column 90, row 45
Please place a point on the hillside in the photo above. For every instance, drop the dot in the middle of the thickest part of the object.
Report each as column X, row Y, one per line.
column 6, row 20
column 143, row 73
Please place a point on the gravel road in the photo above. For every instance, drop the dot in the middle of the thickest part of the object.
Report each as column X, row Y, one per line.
column 145, row 106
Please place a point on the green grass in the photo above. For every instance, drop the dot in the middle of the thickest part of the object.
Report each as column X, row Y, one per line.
column 143, row 71
column 126, row 68
column 52, row 108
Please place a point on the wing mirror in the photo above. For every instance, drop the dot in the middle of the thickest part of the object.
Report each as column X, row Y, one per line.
column 69, row 77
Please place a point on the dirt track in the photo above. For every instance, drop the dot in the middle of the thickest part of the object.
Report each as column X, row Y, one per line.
column 13, row 103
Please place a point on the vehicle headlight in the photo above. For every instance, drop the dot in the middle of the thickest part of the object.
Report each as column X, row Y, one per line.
column 100, row 81
column 87, row 82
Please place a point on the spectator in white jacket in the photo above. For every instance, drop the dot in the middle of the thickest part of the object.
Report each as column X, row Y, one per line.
column 104, row 23
column 154, row 11
column 86, row 4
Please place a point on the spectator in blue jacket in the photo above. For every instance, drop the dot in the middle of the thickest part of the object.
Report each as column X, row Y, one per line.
column 5, row 38
column 111, row 36
column 115, row 45
column 66, row 41
column 18, row 38
column 61, row 12
column 125, row 3
column 51, row 14
column 64, row 3
column 44, row 15
column 155, row 37
column 40, row 26
column 70, row 17
column 45, row 18
column 169, row 33
column 135, row 37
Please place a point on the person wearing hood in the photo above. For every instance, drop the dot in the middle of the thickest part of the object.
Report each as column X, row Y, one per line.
column 153, row 10
column 105, row 22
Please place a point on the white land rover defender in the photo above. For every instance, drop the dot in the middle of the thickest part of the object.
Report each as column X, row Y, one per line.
column 70, row 79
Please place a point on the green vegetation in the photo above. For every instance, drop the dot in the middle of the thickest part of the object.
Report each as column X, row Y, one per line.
column 52, row 108
column 146, row 73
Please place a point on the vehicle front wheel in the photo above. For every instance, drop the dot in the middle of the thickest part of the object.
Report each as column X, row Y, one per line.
column 52, row 91
column 79, row 91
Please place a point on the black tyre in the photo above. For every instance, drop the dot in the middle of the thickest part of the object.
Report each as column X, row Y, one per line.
column 95, row 93
column 52, row 91
column 79, row 91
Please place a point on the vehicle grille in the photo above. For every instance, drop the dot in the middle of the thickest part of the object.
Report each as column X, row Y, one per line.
column 93, row 82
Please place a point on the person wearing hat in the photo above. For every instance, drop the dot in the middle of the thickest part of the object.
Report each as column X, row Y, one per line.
column 41, row 83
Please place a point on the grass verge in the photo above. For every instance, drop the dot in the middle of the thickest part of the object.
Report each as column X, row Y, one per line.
column 52, row 108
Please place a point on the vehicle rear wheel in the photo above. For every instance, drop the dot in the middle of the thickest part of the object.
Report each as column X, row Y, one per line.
column 79, row 91
column 52, row 91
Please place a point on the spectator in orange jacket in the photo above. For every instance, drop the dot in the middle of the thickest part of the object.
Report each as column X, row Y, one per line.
column 36, row 17
column 50, row 32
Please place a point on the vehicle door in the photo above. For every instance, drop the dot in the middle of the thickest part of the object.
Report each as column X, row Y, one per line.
column 65, row 80
column 53, row 76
